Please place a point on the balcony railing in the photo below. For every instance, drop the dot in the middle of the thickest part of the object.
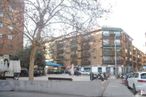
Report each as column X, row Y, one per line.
column 85, row 47
column 74, row 56
column 85, row 54
column 112, row 61
column 85, row 62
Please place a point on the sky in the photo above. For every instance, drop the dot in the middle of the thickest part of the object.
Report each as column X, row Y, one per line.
column 130, row 15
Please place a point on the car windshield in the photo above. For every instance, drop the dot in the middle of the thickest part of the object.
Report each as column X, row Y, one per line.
column 143, row 76
column 87, row 69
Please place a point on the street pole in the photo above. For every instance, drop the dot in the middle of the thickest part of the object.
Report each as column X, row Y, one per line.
column 116, row 72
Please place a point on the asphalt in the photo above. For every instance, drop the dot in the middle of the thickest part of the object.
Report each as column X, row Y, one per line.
column 115, row 88
column 111, row 88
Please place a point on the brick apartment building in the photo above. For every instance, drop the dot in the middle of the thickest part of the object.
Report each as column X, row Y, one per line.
column 11, row 26
column 104, row 47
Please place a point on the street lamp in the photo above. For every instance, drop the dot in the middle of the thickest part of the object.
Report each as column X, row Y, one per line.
column 116, row 71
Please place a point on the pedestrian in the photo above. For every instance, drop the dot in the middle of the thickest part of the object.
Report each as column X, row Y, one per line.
column 91, row 76
column 104, row 75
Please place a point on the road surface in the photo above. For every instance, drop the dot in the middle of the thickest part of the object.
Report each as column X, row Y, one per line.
column 111, row 88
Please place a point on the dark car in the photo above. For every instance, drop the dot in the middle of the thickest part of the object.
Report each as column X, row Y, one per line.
column 24, row 72
column 77, row 72
column 38, row 72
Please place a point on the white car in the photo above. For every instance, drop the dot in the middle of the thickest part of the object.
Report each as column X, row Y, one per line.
column 137, row 81
column 85, row 70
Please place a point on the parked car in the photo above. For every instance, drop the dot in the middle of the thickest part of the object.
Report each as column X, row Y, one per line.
column 85, row 70
column 125, row 77
column 24, row 72
column 77, row 72
column 38, row 72
column 137, row 81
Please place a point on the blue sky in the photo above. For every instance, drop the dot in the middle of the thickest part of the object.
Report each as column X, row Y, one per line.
column 130, row 15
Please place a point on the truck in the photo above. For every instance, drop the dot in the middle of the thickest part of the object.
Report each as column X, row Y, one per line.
column 9, row 68
column 96, row 69
column 106, row 69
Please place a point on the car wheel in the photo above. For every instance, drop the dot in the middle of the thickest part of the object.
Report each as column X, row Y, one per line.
column 128, row 85
column 134, row 89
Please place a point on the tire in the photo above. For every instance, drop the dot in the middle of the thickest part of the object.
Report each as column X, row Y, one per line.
column 140, row 93
column 134, row 89
column 128, row 85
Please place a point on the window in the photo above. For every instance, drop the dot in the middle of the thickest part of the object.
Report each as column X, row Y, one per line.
column 117, row 42
column 136, row 75
column 106, row 33
column 105, row 42
column 4, row 36
column 1, row 24
column 87, row 69
column 10, row 37
column 1, row 8
column 108, row 69
column 1, row 35
column 1, row 45
column 10, row 27
column 143, row 76
column 107, row 50
column 1, row 13
column 10, row 46
column 118, row 49
column 106, row 58
column 118, row 34
column 99, row 69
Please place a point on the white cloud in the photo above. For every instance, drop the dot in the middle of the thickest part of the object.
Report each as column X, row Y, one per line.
column 130, row 15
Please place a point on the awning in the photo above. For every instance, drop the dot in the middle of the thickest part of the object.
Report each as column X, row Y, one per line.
column 50, row 63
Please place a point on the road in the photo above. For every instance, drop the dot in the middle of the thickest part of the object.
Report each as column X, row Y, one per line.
column 33, row 94
column 111, row 88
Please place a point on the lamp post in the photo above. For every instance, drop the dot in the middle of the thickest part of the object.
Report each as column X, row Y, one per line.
column 116, row 71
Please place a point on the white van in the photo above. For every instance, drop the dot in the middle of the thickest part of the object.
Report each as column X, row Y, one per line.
column 85, row 70
column 106, row 69
column 100, row 69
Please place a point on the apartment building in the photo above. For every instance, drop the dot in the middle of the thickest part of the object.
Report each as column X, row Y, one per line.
column 76, row 48
column 107, row 46
column 11, row 26
column 138, row 59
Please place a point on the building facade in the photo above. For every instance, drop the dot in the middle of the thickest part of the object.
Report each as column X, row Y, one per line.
column 11, row 26
column 104, row 47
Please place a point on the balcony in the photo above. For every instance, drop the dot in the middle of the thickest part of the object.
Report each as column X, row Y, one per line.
column 73, row 48
column 111, row 62
column 85, row 62
column 85, row 40
column 74, row 62
column 60, row 59
column 85, row 54
column 74, row 56
column 67, row 59
column 109, row 53
column 60, row 45
column 108, row 62
column 60, row 52
column 85, row 46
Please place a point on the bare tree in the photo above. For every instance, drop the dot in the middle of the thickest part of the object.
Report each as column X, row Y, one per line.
column 42, row 18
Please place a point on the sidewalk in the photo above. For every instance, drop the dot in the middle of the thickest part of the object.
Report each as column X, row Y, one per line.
column 115, row 88
column 45, row 78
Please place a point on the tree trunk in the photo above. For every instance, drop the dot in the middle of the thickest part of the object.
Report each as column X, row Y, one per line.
column 32, row 59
